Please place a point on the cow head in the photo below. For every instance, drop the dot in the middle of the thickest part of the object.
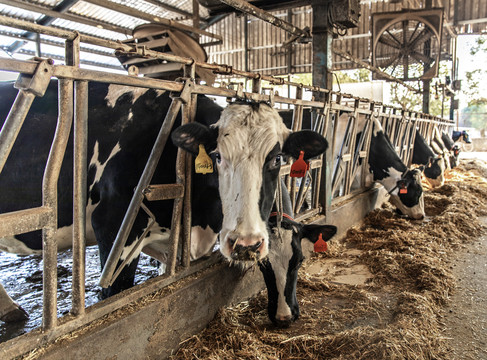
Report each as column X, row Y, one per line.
column 407, row 195
column 466, row 137
column 247, row 144
column 280, row 268
column 435, row 171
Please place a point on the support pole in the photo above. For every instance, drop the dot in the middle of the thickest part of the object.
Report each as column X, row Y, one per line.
column 322, row 78
column 426, row 82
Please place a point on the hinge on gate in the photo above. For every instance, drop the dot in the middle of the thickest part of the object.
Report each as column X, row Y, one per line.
column 37, row 82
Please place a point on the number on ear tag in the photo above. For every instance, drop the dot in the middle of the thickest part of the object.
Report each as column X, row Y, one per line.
column 203, row 163
column 299, row 167
column 320, row 245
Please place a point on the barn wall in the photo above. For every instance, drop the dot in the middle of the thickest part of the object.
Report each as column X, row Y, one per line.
column 267, row 56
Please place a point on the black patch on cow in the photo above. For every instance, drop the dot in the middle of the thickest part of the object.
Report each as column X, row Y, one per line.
column 270, row 175
column 412, row 179
column 424, row 155
column 382, row 156
column 312, row 143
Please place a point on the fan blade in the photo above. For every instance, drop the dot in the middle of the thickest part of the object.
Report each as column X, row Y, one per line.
column 426, row 60
column 388, row 42
column 421, row 38
column 391, row 61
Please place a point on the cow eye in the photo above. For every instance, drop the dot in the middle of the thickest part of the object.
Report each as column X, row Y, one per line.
column 277, row 160
column 218, row 157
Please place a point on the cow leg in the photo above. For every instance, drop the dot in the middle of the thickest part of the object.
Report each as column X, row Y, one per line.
column 10, row 311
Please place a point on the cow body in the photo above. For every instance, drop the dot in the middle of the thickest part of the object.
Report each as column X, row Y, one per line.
column 403, row 185
column 246, row 143
column 424, row 155
column 123, row 125
column 280, row 267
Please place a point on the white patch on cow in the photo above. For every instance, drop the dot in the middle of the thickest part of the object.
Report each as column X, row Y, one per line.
column 280, row 254
column 7, row 304
column 377, row 125
column 202, row 241
column 11, row 245
column 245, row 137
column 391, row 181
column 115, row 91
column 99, row 166
column 156, row 245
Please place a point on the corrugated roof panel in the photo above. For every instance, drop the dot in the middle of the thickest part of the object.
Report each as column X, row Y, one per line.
column 19, row 13
column 87, row 29
column 47, row 3
column 109, row 16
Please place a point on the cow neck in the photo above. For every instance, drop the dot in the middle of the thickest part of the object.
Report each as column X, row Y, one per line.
column 397, row 185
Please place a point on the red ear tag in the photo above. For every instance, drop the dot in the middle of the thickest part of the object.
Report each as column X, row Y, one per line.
column 299, row 167
column 403, row 190
column 320, row 245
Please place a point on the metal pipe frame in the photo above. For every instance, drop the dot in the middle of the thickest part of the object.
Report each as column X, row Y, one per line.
column 45, row 217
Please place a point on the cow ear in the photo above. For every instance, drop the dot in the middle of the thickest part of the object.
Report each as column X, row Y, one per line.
column 312, row 232
column 190, row 136
column 312, row 143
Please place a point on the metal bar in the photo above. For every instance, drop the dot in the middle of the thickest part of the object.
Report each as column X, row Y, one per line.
column 250, row 9
column 13, row 123
column 129, row 219
column 22, row 221
column 80, row 188
column 50, row 181
column 164, row 192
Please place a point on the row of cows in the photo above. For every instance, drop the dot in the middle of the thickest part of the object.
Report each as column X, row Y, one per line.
column 235, row 204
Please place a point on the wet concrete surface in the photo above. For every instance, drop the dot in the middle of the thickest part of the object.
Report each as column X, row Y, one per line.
column 21, row 277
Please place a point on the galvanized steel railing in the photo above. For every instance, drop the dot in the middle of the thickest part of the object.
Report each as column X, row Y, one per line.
column 325, row 177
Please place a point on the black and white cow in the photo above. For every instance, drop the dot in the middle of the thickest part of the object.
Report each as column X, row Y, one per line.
column 424, row 155
column 280, row 267
column 453, row 148
column 403, row 185
column 456, row 135
column 246, row 143
column 439, row 147
column 123, row 125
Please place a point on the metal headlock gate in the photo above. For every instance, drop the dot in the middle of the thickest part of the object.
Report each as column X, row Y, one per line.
column 73, row 111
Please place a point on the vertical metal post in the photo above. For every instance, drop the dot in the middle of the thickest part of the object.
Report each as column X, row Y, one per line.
column 185, row 160
column 80, row 164
column 50, row 181
column 426, row 83
column 322, row 62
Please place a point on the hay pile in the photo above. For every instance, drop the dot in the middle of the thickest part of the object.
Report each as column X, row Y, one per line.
column 397, row 315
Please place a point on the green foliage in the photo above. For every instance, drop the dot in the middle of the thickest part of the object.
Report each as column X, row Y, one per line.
column 351, row 76
column 476, row 113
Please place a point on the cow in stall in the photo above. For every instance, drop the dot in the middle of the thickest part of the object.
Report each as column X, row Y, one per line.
column 280, row 267
column 402, row 184
column 246, row 143
column 434, row 165
column 453, row 148
column 442, row 150
column 456, row 135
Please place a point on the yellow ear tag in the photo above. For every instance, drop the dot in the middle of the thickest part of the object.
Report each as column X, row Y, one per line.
column 203, row 163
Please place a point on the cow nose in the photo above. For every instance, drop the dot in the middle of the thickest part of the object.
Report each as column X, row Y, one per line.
column 246, row 247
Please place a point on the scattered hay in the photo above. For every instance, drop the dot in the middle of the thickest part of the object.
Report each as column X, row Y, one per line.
column 396, row 316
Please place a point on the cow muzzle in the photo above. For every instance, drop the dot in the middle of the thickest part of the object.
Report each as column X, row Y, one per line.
column 247, row 248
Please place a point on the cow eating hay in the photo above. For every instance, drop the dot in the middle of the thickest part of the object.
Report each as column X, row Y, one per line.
column 395, row 315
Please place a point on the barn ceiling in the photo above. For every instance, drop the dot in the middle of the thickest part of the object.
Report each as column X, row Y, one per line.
column 115, row 20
